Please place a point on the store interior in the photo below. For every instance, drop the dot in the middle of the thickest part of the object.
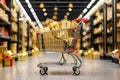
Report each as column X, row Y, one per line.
column 30, row 28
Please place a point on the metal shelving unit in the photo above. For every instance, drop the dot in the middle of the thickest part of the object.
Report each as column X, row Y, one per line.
column 114, row 32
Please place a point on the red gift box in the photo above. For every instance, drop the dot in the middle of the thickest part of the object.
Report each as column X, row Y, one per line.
column 5, row 32
column 8, row 60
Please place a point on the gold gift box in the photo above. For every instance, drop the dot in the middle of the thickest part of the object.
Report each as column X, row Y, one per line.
column 23, row 56
column 1, row 61
column 9, row 62
column 92, row 54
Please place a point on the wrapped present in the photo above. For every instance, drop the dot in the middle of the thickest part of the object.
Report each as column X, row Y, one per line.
column 8, row 60
column 23, row 56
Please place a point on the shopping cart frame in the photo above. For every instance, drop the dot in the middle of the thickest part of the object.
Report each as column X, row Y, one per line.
column 76, row 64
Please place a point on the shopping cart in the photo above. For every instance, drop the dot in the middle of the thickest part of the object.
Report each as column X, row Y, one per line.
column 62, row 41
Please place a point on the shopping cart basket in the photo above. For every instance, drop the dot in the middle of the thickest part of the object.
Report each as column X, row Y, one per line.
column 63, row 41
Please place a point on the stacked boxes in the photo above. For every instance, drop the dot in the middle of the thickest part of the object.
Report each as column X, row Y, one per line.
column 3, row 14
column 6, row 57
column 92, row 54
column 8, row 60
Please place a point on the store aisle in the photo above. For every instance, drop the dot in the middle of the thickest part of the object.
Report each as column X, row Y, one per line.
column 90, row 70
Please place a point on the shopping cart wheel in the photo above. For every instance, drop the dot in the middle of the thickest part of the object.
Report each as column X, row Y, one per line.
column 46, row 69
column 43, row 70
column 76, row 70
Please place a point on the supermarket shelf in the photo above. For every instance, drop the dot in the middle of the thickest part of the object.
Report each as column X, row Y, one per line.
column 4, row 7
column 98, row 34
column 86, row 46
column 87, row 39
column 118, row 27
column 118, row 11
column 109, row 43
column 4, row 38
column 109, row 34
column 118, row 42
column 115, row 58
column 97, row 43
column 14, row 41
column 87, row 33
column 14, row 32
column 97, row 24
column 3, row 21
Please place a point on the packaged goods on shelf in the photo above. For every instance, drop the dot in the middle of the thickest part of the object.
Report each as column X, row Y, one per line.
column 118, row 23
column 86, row 44
column 3, row 49
column 118, row 5
column 14, row 48
column 14, row 27
column 118, row 36
column 109, row 49
column 14, row 15
column 3, row 14
column 13, row 36
column 6, row 32
column 99, row 39
column 22, row 56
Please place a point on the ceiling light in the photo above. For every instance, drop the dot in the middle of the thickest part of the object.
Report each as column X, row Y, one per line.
column 92, row 1
column 89, row 5
column 41, row 5
column 54, row 17
column 81, row 15
column 45, row 14
column 34, row 13
column 55, row 8
column 55, row 13
column 85, row 10
column 44, row 9
column 27, row 1
column 32, row 10
column 70, row 5
column 65, row 16
column 69, row 9
column 29, row 5
column 67, row 13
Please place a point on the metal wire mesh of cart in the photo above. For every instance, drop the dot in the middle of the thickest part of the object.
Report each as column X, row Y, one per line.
column 59, row 40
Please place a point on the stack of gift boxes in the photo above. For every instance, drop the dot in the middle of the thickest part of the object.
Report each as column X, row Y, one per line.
column 92, row 54
column 6, row 57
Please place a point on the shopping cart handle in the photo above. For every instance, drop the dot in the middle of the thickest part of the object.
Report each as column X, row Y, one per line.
column 81, row 19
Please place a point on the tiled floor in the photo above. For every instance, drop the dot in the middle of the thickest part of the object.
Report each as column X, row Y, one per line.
column 90, row 70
